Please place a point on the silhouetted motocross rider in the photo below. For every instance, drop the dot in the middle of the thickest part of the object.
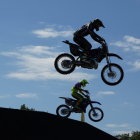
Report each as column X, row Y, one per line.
column 78, row 92
column 88, row 29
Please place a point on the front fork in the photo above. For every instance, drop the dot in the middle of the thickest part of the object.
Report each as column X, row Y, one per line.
column 92, row 107
column 108, row 63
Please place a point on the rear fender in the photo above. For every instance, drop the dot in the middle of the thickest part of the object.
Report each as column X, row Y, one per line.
column 68, row 101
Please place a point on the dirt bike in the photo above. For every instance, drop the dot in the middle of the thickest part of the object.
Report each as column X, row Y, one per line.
column 111, row 74
column 95, row 114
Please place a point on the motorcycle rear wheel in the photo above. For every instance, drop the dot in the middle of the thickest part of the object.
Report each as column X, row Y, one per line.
column 65, row 66
column 63, row 111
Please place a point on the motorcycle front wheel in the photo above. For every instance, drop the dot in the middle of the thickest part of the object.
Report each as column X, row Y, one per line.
column 63, row 111
column 64, row 63
column 112, row 74
column 96, row 114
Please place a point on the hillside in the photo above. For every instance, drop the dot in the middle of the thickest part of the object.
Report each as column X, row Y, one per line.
column 32, row 125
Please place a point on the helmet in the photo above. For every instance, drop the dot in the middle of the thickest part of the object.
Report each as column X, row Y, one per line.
column 98, row 23
column 84, row 82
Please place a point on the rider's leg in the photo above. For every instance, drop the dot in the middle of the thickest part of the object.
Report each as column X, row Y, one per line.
column 79, row 99
column 83, row 43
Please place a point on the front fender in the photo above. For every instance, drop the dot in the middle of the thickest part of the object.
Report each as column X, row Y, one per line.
column 95, row 102
column 115, row 55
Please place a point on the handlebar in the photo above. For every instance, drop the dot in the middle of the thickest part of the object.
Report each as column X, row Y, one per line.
column 87, row 94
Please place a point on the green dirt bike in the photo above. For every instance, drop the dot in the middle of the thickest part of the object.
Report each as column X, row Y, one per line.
column 95, row 113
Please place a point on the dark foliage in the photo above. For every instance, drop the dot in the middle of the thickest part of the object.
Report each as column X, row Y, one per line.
column 24, row 107
column 133, row 136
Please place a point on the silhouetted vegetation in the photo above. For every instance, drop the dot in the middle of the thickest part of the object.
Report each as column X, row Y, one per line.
column 24, row 107
column 133, row 136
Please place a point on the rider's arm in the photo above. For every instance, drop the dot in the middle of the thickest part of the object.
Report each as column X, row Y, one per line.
column 78, row 87
column 82, row 91
column 93, row 35
column 96, row 37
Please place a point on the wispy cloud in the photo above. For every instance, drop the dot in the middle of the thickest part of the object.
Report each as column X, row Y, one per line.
column 132, row 39
column 37, row 63
column 135, row 65
column 38, row 50
column 52, row 32
column 118, row 129
column 4, row 96
column 132, row 45
column 129, row 105
column 129, row 43
column 125, row 125
column 26, row 95
column 120, row 132
column 105, row 93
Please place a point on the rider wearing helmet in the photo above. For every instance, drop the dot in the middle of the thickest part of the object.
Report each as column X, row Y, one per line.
column 88, row 29
column 77, row 92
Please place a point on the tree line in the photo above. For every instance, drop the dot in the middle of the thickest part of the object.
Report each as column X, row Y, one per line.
column 133, row 136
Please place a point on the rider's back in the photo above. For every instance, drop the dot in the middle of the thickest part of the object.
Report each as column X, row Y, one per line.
column 83, row 31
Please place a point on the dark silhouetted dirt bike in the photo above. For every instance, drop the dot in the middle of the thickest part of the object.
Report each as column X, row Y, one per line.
column 95, row 113
column 111, row 74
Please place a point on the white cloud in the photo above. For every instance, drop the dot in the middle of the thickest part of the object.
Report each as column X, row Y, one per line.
column 125, row 125
column 50, row 32
column 135, row 65
column 132, row 45
column 129, row 43
column 4, row 96
column 38, row 50
column 129, row 105
column 120, row 132
column 124, row 128
column 49, row 76
column 33, row 65
column 27, row 95
column 9, row 54
column 132, row 39
column 106, row 93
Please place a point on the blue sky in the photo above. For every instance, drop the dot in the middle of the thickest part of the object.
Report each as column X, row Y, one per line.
column 30, row 39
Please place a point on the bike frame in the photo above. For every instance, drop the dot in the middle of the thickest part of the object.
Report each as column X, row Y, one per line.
column 83, row 105
column 105, row 47
column 90, row 103
column 107, row 56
